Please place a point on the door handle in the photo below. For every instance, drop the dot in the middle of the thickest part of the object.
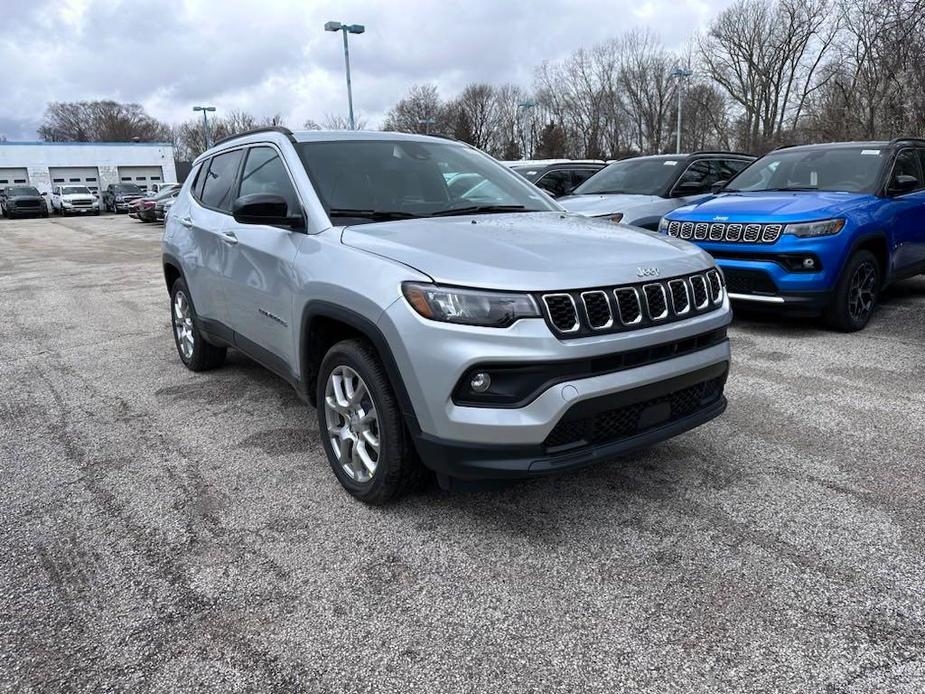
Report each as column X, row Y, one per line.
column 186, row 221
column 229, row 237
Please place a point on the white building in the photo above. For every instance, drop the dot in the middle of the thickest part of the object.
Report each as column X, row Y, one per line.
column 93, row 164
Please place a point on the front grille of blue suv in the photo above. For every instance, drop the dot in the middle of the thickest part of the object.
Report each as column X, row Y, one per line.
column 816, row 229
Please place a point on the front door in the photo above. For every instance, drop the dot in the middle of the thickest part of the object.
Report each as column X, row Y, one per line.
column 258, row 273
column 905, row 214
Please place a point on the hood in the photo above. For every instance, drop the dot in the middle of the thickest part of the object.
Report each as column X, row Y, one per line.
column 538, row 251
column 25, row 198
column 607, row 204
column 783, row 207
column 78, row 197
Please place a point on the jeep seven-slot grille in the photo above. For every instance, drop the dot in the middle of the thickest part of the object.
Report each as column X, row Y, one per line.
column 580, row 313
column 728, row 233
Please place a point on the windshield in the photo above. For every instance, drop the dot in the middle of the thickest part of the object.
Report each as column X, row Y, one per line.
column 128, row 188
column 23, row 190
column 531, row 173
column 840, row 169
column 640, row 176
column 71, row 190
column 378, row 180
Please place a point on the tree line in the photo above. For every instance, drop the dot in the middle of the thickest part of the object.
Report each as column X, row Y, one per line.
column 765, row 73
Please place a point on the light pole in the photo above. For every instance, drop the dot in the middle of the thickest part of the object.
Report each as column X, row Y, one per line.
column 205, row 122
column 347, row 29
column 426, row 122
column 680, row 73
column 522, row 109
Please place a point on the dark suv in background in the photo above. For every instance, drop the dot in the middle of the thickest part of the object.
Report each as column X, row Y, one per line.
column 22, row 201
column 640, row 190
column 557, row 178
column 118, row 196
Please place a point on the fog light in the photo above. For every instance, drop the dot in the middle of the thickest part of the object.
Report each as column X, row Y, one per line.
column 809, row 263
column 480, row 382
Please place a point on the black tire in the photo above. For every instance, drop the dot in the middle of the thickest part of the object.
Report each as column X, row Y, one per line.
column 204, row 355
column 398, row 469
column 856, row 294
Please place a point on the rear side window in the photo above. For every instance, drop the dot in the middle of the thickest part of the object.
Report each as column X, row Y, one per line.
column 265, row 172
column 557, row 182
column 727, row 168
column 579, row 176
column 218, row 187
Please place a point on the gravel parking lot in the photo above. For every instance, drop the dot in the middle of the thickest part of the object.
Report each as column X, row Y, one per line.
column 163, row 530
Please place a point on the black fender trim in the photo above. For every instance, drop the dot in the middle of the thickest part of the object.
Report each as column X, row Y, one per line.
column 169, row 259
column 326, row 309
column 878, row 235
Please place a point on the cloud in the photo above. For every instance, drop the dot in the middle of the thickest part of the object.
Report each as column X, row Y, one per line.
column 269, row 56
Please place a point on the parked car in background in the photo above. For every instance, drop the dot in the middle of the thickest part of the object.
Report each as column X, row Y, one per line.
column 162, row 208
column 488, row 340
column 144, row 209
column 117, row 196
column 817, row 228
column 557, row 177
column 23, row 201
column 73, row 200
column 639, row 191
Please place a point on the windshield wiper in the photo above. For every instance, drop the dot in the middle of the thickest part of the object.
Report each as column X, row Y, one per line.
column 480, row 209
column 787, row 189
column 375, row 215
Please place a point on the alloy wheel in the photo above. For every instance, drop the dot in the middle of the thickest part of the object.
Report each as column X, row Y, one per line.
column 352, row 423
column 183, row 324
column 862, row 291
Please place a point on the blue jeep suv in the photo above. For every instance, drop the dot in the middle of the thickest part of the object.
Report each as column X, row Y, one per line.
column 816, row 228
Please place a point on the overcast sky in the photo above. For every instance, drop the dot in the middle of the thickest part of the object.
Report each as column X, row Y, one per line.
column 269, row 56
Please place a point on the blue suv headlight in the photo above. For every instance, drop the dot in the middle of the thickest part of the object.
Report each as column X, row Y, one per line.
column 663, row 225
column 469, row 306
column 828, row 227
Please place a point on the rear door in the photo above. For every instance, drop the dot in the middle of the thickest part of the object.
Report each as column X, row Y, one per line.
column 206, row 219
column 258, row 278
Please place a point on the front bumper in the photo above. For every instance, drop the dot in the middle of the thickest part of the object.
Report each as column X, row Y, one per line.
column 593, row 431
column 431, row 358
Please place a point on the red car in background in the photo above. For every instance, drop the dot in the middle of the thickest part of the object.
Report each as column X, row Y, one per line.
column 143, row 209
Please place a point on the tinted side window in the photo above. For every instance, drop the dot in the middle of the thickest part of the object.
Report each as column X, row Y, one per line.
column 556, row 182
column 907, row 164
column 700, row 172
column 579, row 176
column 218, row 187
column 264, row 172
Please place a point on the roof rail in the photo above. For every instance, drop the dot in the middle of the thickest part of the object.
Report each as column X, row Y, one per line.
column 722, row 151
column 266, row 129
column 897, row 140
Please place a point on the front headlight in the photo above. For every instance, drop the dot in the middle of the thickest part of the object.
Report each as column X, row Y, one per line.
column 663, row 225
column 469, row 306
column 828, row 227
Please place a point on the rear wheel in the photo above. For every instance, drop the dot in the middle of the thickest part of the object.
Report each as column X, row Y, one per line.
column 856, row 294
column 195, row 353
column 361, row 425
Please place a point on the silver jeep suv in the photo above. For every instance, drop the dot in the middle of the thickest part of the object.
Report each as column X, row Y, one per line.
column 484, row 332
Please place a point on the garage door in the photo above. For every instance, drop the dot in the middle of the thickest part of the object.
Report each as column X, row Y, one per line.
column 9, row 177
column 75, row 175
column 141, row 176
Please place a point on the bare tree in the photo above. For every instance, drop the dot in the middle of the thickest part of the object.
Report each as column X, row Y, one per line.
column 100, row 121
column 647, row 89
column 420, row 111
column 767, row 56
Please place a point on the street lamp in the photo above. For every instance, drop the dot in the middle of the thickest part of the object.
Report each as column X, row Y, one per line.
column 205, row 122
column 522, row 109
column 680, row 73
column 347, row 29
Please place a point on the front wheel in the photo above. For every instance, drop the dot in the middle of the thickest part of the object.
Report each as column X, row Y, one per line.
column 195, row 353
column 361, row 425
column 856, row 294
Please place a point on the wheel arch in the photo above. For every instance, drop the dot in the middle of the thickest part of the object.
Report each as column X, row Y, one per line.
column 323, row 325
column 172, row 270
column 876, row 243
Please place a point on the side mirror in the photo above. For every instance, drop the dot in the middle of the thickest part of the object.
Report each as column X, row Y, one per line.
column 903, row 184
column 689, row 188
column 44, row 195
column 718, row 186
column 265, row 208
